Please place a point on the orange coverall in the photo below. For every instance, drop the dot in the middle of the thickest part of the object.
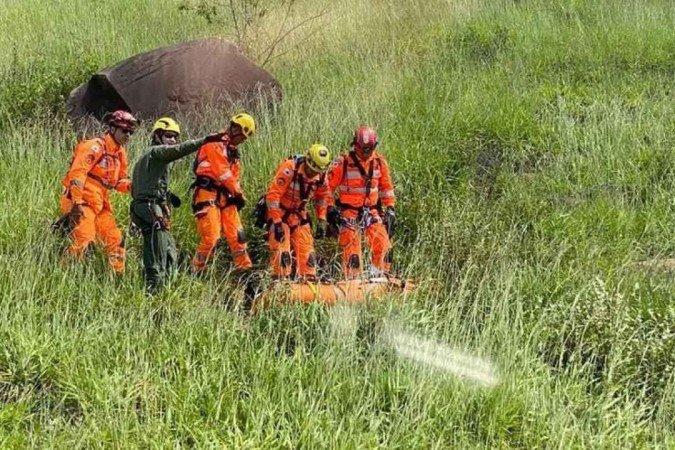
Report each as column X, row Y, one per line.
column 98, row 165
column 217, row 164
column 286, row 201
column 350, row 184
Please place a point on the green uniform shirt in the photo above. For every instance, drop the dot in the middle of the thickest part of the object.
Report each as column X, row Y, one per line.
column 150, row 179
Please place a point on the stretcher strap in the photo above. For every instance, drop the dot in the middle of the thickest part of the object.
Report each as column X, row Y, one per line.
column 315, row 290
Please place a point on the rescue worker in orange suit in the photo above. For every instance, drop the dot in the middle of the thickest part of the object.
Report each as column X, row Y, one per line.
column 297, row 180
column 218, row 196
column 98, row 166
column 362, row 183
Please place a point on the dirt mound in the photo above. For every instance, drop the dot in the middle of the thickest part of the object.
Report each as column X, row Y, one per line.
column 180, row 78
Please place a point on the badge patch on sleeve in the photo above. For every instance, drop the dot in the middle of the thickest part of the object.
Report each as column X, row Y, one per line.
column 281, row 181
column 90, row 159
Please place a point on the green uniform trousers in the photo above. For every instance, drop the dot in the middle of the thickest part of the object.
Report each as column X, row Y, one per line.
column 160, row 254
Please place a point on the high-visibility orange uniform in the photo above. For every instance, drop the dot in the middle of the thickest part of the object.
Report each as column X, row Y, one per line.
column 98, row 165
column 217, row 169
column 286, row 200
column 359, row 184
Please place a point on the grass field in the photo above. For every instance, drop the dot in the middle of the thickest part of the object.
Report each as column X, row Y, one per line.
column 533, row 149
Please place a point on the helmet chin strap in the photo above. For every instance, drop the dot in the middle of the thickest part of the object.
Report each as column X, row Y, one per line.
column 361, row 153
column 112, row 131
column 157, row 137
column 310, row 171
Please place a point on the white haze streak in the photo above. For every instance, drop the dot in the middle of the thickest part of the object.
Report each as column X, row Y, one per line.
column 426, row 352
column 440, row 356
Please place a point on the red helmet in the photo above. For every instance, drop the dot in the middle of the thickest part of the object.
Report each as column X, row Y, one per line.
column 121, row 119
column 365, row 138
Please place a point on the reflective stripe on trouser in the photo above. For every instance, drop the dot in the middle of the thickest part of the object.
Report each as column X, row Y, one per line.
column 99, row 226
column 211, row 223
column 160, row 254
column 352, row 258
column 302, row 243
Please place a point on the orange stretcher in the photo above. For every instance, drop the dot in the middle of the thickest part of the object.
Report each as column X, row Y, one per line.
column 350, row 291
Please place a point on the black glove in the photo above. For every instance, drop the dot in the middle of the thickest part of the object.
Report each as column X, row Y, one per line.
column 134, row 229
column 74, row 216
column 321, row 227
column 214, row 137
column 390, row 220
column 232, row 153
column 278, row 231
column 63, row 226
column 174, row 200
column 237, row 200
column 334, row 216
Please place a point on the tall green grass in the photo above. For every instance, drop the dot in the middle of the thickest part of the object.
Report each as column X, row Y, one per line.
column 532, row 146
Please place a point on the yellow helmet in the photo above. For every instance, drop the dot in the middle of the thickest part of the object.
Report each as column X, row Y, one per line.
column 318, row 158
column 166, row 124
column 246, row 123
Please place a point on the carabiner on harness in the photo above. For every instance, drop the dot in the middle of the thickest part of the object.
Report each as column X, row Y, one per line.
column 365, row 218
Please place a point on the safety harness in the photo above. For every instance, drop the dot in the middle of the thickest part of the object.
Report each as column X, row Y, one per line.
column 96, row 178
column 65, row 224
column 206, row 183
column 100, row 180
column 364, row 213
column 367, row 176
column 305, row 191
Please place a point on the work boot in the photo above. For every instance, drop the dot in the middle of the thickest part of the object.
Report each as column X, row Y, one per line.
column 184, row 262
column 374, row 272
column 251, row 292
column 250, row 281
column 152, row 288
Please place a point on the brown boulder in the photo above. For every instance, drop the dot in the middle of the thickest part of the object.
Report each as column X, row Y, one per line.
column 169, row 80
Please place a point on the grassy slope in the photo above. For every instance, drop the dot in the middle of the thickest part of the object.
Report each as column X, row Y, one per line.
column 532, row 143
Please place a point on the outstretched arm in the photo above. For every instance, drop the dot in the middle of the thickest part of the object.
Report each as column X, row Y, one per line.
column 170, row 153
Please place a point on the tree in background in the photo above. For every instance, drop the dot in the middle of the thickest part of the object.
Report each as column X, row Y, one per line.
column 257, row 34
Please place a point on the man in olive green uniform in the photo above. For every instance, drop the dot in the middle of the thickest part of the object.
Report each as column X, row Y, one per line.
column 152, row 200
